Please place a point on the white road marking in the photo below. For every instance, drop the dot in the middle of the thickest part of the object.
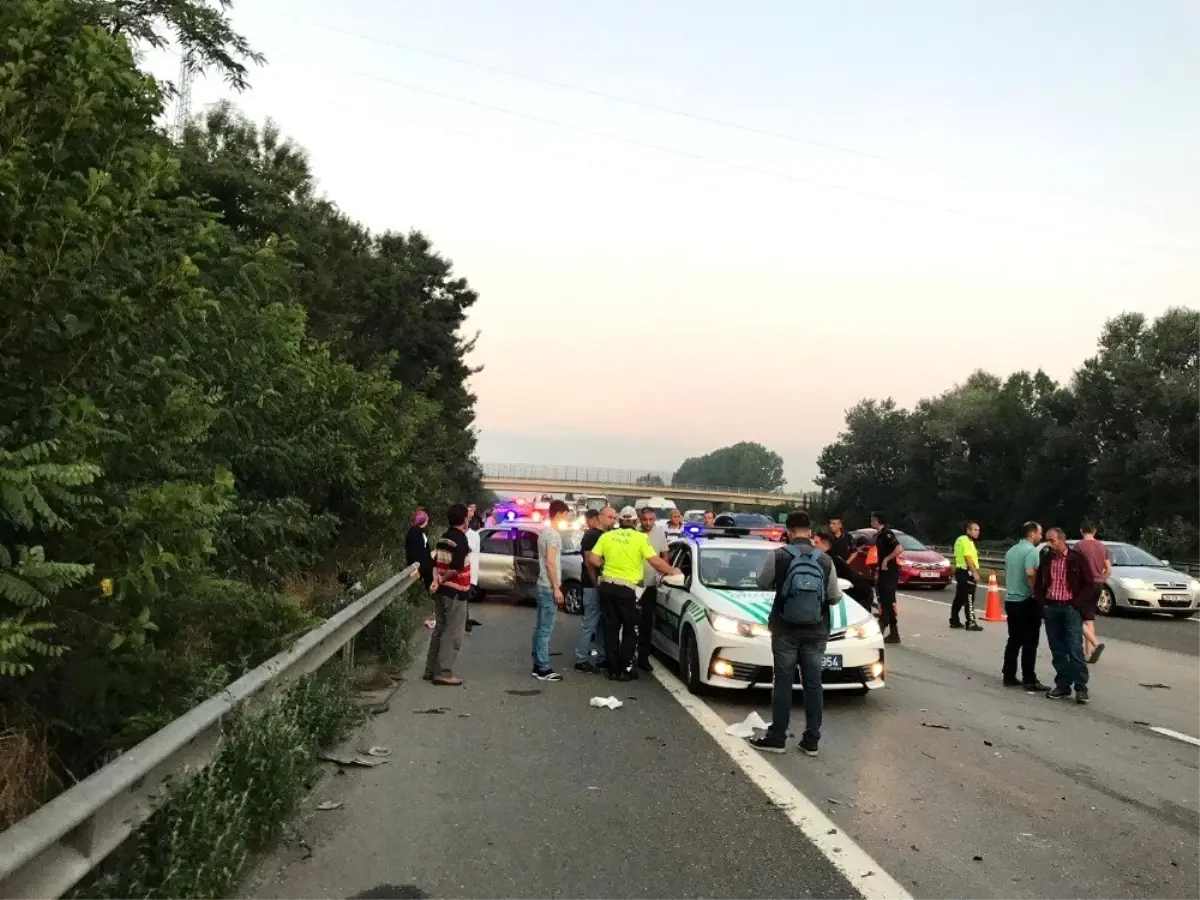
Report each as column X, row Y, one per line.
column 847, row 857
column 1178, row 735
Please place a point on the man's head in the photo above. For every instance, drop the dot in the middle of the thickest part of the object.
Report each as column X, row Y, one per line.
column 591, row 518
column 835, row 525
column 972, row 530
column 710, row 518
column 628, row 518
column 646, row 518
column 558, row 511
column 606, row 518
column 674, row 518
column 798, row 524
column 1087, row 529
column 878, row 520
column 823, row 540
column 1057, row 539
column 1032, row 532
column 456, row 515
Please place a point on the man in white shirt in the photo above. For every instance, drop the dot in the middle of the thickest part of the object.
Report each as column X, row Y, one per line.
column 648, row 602
column 473, row 543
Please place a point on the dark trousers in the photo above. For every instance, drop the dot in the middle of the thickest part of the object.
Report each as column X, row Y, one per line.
column 645, row 642
column 1064, row 634
column 964, row 596
column 886, row 583
column 806, row 651
column 1024, row 632
column 620, row 614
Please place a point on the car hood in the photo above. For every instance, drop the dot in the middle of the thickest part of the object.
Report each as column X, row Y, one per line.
column 925, row 556
column 755, row 606
column 1151, row 574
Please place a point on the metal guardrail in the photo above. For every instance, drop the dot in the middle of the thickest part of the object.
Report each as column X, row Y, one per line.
column 989, row 559
column 51, row 850
column 646, row 480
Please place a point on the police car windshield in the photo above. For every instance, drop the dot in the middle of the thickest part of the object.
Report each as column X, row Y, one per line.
column 733, row 568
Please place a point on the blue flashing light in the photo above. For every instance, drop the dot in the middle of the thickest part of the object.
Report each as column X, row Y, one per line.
column 511, row 515
column 693, row 530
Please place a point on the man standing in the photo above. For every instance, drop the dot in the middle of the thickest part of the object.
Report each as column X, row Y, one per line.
column 887, row 550
column 1096, row 554
column 843, row 544
column 806, row 586
column 1023, row 611
column 674, row 522
column 548, row 590
column 591, row 628
column 860, row 588
column 966, row 576
column 450, row 584
column 473, row 543
column 619, row 555
column 710, row 518
column 1064, row 577
column 649, row 599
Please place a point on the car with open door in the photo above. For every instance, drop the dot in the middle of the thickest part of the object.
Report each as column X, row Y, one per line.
column 508, row 563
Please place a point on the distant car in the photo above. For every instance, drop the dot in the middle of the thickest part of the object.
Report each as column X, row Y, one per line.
column 919, row 566
column 1141, row 582
column 508, row 563
column 694, row 515
column 756, row 522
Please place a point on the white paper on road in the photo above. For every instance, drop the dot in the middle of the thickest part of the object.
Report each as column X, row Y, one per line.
column 746, row 728
column 607, row 702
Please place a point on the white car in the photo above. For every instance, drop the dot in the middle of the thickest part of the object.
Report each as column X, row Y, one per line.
column 712, row 620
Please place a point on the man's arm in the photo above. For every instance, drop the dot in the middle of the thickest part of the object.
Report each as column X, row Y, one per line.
column 896, row 551
column 833, row 590
column 551, row 571
column 661, row 566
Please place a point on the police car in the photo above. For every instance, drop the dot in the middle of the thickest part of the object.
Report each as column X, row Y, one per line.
column 712, row 619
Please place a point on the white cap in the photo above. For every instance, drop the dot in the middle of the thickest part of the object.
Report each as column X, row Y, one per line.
column 628, row 512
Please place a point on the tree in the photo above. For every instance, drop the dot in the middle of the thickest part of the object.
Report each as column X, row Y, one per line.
column 649, row 480
column 745, row 465
column 864, row 469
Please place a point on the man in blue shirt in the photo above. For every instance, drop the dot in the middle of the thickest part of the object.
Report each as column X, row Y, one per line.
column 1024, row 612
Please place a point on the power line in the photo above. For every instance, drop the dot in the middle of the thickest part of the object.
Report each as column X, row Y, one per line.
column 755, row 170
column 737, row 126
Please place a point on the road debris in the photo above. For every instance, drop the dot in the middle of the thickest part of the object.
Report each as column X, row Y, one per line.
column 1154, row 686
column 327, row 805
column 350, row 759
column 606, row 703
column 935, row 725
column 987, row 743
column 432, row 711
column 381, row 751
column 746, row 728
column 431, row 623
column 532, row 692
column 977, row 858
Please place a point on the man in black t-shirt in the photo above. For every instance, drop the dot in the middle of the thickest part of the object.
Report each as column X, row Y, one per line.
column 591, row 631
column 887, row 548
column 843, row 545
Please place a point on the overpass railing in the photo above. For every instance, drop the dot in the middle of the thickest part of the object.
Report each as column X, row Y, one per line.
column 647, row 480
column 51, row 850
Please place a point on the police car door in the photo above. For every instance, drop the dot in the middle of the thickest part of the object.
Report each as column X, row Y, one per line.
column 671, row 600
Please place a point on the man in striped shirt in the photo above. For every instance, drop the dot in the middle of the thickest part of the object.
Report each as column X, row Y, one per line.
column 451, row 587
column 1061, row 586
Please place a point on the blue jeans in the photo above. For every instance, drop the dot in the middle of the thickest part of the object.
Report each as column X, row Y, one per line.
column 1064, row 634
column 789, row 651
column 591, row 635
column 543, row 627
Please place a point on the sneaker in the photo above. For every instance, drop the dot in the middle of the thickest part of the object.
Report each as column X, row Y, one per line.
column 974, row 626
column 769, row 744
column 808, row 747
column 1035, row 687
column 1081, row 695
column 1095, row 656
column 586, row 668
column 955, row 624
column 1058, row 693
column 547, row 675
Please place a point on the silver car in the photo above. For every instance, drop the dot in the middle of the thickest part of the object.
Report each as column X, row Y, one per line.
column 1141, row 582
column 508, row 563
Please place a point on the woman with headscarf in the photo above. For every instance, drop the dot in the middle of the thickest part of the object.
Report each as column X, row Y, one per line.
column 416, row 547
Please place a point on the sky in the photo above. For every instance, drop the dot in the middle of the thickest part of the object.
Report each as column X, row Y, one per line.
column 693, row 223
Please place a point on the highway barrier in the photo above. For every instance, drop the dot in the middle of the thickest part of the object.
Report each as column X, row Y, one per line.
column 51, row 850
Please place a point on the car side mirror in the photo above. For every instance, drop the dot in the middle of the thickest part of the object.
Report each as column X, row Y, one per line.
column 675, row 581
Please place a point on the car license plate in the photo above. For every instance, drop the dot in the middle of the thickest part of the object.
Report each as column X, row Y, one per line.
column 930, row 574
column 831, row 662
column 1175, row 600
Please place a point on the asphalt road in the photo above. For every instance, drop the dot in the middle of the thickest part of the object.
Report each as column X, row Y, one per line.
column 956, row 786
column 1151, row 630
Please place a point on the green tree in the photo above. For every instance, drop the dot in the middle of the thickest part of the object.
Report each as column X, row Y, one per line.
column 743, row 465
column 649, row 480
column 865, row 468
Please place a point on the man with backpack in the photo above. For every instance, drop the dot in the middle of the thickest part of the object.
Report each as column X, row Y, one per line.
column 805, row 584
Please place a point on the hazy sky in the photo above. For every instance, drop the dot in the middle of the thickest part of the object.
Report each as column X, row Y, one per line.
column 941, row 186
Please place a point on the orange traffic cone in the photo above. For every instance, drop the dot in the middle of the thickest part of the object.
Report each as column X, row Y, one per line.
column 994, row 611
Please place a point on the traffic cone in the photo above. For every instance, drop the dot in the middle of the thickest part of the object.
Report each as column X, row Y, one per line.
column 994, row 611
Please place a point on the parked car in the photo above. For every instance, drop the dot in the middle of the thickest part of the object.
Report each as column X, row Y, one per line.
column 508, row 563
column 919, row 566
column 1140, row 581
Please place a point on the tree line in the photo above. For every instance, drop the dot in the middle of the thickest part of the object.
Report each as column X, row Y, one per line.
column 213, row 382
column 1117, row 444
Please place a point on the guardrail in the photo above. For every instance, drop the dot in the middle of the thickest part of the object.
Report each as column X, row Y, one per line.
column 51, row 850
column 992, row 559
column 647, row 481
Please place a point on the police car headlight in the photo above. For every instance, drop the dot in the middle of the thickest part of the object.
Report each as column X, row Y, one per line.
column 1194, row 585
column 728, row 625
column 864, row 630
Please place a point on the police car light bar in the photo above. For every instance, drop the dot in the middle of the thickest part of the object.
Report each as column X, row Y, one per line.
column 713, row 531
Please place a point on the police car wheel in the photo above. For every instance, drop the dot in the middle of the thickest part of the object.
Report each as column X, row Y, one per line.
column 689, row 662
column 573, row 598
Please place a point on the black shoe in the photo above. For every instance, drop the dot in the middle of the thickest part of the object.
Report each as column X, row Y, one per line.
column 807, row 747
column 1058, row 693
column 1035, row 686
column 892, row 638
column 644, row 665
column 769, row 744
column 1081, row 695
column 427, row 677
column 621, row 676
column 954, row 623
column 473, row 623
column 974, row 626
column 1012, row 682
column 586, row 668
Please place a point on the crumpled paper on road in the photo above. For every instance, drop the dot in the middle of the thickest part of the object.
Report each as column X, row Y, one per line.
column 608, row 702
column 746, row 728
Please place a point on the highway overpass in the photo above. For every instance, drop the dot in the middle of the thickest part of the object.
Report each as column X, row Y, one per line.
column 505, row 477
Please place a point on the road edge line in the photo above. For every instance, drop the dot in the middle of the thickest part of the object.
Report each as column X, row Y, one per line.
column 1177, row 735
column 854, row 863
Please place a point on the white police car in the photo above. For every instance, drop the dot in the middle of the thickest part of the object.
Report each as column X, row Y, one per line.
column 712, row 619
